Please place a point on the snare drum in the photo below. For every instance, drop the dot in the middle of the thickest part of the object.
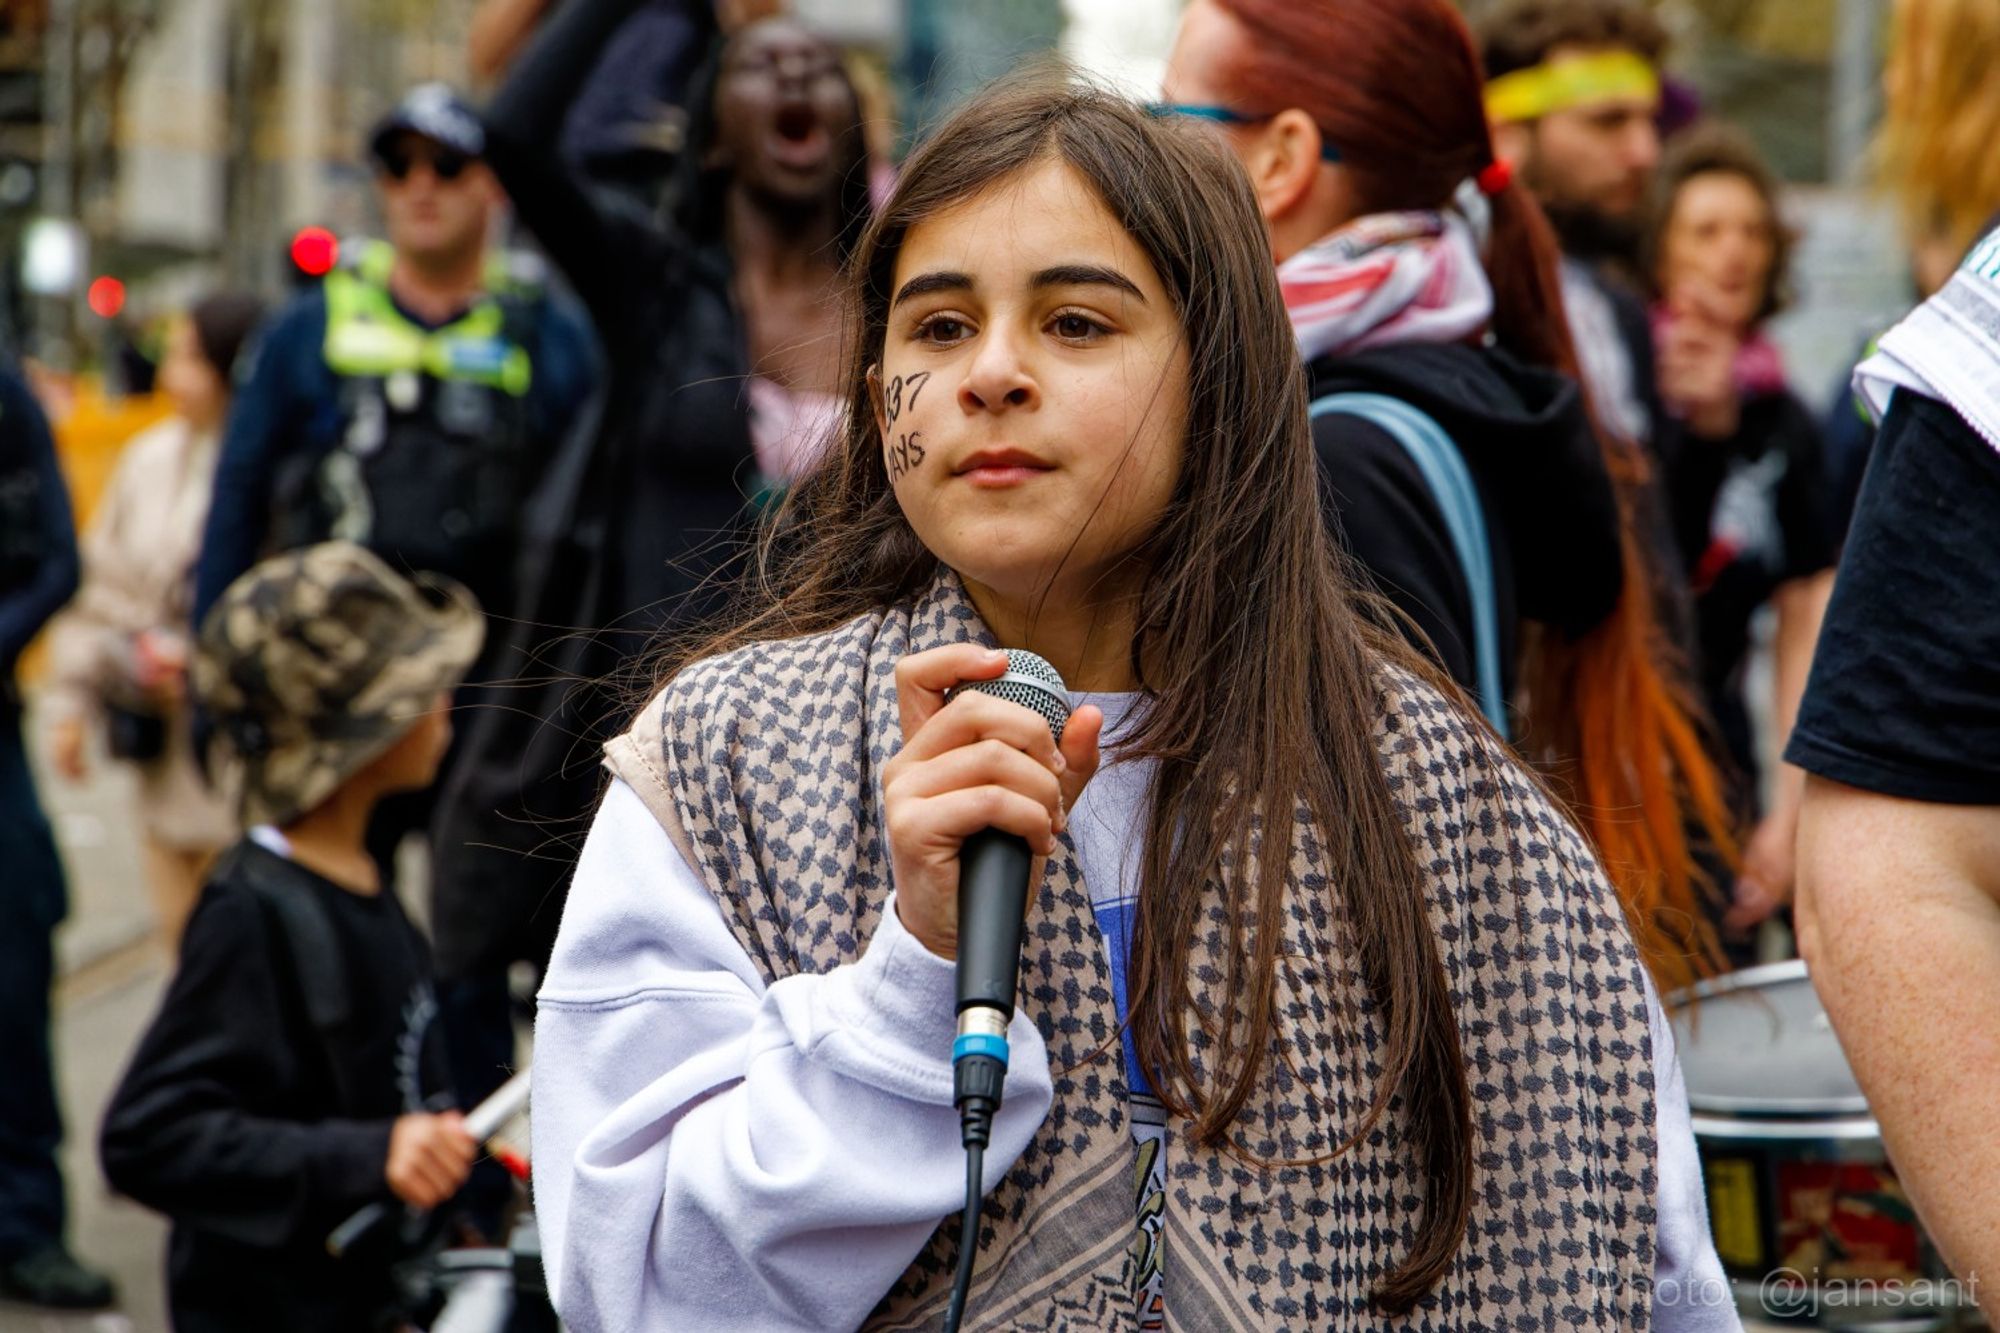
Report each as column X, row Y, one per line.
column 1797, row 1179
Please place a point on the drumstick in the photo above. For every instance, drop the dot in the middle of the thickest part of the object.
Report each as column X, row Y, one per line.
column 485, row 1119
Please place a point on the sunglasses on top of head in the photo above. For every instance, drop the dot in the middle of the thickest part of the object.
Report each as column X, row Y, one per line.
column 1222, row 115
column 397, row 161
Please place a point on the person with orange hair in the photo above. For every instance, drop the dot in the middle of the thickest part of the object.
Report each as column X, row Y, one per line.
column 1933, row 155
column 1459, row 460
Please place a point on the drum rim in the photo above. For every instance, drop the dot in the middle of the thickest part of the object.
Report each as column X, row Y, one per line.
column 1790, row 969
column 1842, row 1129
column 1765, row 1108
column 1769, row 1108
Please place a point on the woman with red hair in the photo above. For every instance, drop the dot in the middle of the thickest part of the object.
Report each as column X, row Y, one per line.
column 1458, row 456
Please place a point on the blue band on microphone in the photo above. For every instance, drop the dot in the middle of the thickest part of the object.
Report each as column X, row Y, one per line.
column 979, row 1043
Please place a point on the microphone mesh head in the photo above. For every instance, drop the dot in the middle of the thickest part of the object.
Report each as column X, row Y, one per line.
column 1030, row 682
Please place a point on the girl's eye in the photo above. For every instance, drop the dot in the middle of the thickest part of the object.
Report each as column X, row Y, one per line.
column 941, row 330
column 1074, row 327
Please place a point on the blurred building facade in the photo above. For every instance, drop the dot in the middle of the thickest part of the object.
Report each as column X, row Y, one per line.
column 281, row 93
column 183, row 141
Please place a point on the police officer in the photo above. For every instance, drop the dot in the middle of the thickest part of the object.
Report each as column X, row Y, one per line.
column 411, row 403
column 38, row 572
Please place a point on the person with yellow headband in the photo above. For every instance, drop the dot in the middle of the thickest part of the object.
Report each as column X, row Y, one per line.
column 1572, row 90
column 1573, row 94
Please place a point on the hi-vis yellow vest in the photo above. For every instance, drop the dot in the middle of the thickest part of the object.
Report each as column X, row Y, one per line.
column 368, row 338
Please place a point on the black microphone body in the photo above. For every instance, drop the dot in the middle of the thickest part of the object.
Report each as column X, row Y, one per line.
column 992, row 916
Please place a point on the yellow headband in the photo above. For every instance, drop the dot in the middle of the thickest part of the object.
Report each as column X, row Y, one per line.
column 1530, row 94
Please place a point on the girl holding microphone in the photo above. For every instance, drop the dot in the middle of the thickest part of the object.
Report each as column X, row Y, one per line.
column 1310, row 961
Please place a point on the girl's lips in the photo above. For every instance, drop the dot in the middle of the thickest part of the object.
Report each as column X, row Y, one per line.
column 997, row 468
column 997, row 476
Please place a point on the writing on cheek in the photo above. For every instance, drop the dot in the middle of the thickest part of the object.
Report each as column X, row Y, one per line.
column 903, row 453
column 892, row 397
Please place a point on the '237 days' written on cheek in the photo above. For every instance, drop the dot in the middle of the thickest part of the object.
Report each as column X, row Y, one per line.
column 903, row 451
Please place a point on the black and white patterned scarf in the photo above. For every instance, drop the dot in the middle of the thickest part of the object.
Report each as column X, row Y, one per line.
column 764, row 767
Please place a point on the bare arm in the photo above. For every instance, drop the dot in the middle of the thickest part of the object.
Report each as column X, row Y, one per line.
column 1769, row 860
column 1801, row 606
column 1899, row 919
column 500, row 28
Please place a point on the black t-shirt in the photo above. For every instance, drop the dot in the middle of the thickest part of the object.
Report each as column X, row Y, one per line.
column 1750, row 512
column 1904, row 697
column 233, row 1121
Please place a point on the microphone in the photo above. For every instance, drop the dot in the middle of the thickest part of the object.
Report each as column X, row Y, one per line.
column 992, row 914
column 992, row 906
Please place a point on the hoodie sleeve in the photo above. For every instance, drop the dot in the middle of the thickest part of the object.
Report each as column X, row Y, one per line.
column 601, row 243
column 715, row 1153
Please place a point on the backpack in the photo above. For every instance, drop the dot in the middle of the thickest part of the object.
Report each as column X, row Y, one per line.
column 289, row 900
column 1450, row 481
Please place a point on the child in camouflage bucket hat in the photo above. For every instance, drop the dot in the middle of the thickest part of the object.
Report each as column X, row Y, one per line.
column 317, row 661
column 295, row 1072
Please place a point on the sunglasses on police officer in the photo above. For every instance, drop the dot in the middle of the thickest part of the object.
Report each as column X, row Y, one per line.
column 398, row 160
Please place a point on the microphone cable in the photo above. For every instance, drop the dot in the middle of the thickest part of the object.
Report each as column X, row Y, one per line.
column 968, row 1235
column 978, row 1070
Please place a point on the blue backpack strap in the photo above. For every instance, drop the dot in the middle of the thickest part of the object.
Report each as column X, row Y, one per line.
column 1450, row 482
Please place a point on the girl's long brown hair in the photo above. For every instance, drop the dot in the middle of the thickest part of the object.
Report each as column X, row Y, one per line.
column 1260, row 670
column 1397, row 86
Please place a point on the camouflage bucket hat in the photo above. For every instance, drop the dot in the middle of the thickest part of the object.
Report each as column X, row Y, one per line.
column 318, row 660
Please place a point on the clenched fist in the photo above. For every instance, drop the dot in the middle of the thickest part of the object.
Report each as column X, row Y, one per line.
column 976, row 762
column 429, row 1158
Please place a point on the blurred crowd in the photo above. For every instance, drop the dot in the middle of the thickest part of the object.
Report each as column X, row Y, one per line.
column 389, row 569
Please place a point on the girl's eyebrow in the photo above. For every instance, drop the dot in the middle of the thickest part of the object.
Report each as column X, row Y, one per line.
column 1060, row 275
column 943, row 280
column 1087, row 275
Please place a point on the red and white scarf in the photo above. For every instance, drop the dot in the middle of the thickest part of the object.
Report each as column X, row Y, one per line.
column 1387, row 278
